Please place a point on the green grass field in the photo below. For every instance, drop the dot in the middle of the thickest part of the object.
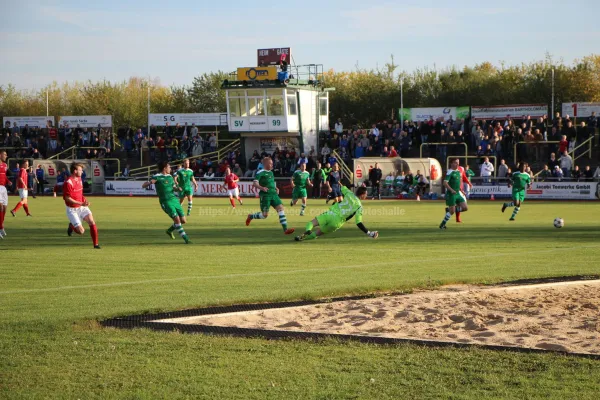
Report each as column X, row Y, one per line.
column 54, row 289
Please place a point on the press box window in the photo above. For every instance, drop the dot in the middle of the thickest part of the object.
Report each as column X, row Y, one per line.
column 292, row 105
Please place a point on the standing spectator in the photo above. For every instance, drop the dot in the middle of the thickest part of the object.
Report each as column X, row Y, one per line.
column 375, row 179
column 31, row 181
column 405, row 144
column 302, row 159
column 545, row 173
column 577, row 174
column 393, row 153
column 339, row 127
column 212, row 142
column 126, row 171
column 566, row 164
column 502, row 170
column 236, row 168
column 569, row 130
column 325, row 151
column 553, row 162
column 563, row 145
column 39, row 174
column 160, row 145
column 317, row 177
column 486, row 170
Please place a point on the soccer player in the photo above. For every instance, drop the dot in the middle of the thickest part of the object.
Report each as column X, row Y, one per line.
column 3, row 193
column 22, row 188
column 231, row 184
column 337, row 215
column 300, row 180
column 77, row 205
column 519, row 181
column 185, row 179
column 467, row 184
column 455, row 199
column 333, row 183
column 165, row 187
column 269, row 196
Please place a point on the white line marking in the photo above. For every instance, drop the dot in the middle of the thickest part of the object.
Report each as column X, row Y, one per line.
column 294, row 271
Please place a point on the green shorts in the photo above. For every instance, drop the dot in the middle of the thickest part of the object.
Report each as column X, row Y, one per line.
column 518, row 195
column 186, row 192
column 329, row 223
column 455, row 199
column 269, row 200
column 172, row 208
column 299, row 193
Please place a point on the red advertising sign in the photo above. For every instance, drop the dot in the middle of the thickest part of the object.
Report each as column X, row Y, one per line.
column 273, row 56
column 51, row 171
column 96, row 170
column 358, row 172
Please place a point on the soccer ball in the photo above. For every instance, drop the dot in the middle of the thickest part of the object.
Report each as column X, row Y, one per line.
column 559, row 223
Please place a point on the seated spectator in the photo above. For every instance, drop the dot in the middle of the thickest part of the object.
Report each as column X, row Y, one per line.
column 553, row 162
column 126, row 171
column 557, row 173
column 277, row 167
column 388, row 184
column 209, row 174
column 393, row 152
column 237, row 170
column 408, row 182
column 566, row 164
column 545, row 173
column 588, row 174
column 422, row 183
column 577, row 174
column 302, row 159
column 399, row 182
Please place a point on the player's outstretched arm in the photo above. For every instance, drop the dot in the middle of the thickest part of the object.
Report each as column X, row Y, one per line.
column 373, row 235
column 150, row 182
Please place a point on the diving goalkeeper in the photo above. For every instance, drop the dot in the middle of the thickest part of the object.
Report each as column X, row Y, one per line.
column 337, row 215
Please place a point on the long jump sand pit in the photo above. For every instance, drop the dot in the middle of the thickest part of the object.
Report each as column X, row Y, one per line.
column 561, row 316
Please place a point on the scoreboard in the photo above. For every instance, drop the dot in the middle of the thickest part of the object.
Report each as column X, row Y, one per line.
column 272, row 56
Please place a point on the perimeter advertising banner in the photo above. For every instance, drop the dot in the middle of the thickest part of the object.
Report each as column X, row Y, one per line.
column 543, row 191
column 513, row 110
column 257, row 74
column 205, row 188
column 200, row 119
column 37, row 122
column 424, row 114
column 580, row 110
column 86, row 121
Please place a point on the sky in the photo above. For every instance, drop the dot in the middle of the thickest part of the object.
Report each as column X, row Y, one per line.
column 174, row 41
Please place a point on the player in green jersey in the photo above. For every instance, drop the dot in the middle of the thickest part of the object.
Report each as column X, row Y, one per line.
column 185, row 179
column 520, row 182
column 300, row 180
column 455, row 198
column 169, row 202
column 337, row 215
column 264, row 181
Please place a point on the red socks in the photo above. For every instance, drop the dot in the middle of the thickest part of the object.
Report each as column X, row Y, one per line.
column 232, row 202
column 17, row 207
column 94, row 234
column 458, row 216
column 26, row 208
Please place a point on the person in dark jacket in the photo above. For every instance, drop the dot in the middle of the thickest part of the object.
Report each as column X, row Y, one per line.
column 375, row 179
column 39, row 174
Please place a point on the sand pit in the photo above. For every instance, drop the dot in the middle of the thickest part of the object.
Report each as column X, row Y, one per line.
column 558, row 316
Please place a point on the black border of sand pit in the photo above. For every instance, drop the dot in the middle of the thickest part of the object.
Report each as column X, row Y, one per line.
column 149, row 321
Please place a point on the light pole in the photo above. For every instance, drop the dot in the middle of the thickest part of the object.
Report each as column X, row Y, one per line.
column 401, row 103
column 552, row 111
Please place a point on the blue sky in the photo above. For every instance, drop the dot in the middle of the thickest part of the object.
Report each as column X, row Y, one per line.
column 45, row 41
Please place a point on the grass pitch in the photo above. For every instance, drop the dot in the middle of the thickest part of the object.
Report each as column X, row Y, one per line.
column 54, row 288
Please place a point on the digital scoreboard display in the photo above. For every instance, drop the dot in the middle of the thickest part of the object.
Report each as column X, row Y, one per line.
column 272, row 56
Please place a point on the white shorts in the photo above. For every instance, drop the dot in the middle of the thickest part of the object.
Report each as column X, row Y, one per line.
column 233, row 192
column 77, row 214
column 23, row 193
column 3, row 196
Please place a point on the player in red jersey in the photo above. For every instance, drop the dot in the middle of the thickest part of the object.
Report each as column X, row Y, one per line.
column 3, row 192
column 465, row 180
column 22, row 188
column 77, row 205
column 231, row 184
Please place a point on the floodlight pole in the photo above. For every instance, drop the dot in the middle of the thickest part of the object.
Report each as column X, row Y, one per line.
column 552, row 111
column 47, row 104
column 401, row 103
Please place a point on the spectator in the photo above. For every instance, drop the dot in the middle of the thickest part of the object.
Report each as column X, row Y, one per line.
column 553, row 162
column 569, row 131
column 502, row 170
column 375, row 179
column 422, row 183
column 557, row 121
column 545, row 173
column 577, row 174
column 566, row 164
column 597, row 173
column 588, row 174
column 325, row 151
column 212, row 142
column 408, row 181
column 302, row 159
column 209, row 174
column 486, row 170
column 393, row 153
column 39, row 175
column 557, row 173
column 236, row 167
column 399, row 182
column 374, row 131
column 388, row 184
column 126, row 171
column 405, row 144
column 339, row 127
column 563, row 145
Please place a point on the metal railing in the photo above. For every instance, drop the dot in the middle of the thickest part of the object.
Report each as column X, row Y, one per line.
column 212, row 156
column 343, row 167
column 539, row 143
column 585, row 143
column 445, row 144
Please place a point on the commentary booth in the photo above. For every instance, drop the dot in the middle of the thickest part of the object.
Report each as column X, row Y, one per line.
column 266, row 107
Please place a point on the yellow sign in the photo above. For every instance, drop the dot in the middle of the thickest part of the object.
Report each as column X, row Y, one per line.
column 257, row 74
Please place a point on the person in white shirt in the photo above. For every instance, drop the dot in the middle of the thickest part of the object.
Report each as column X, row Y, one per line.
column 566, row 164
column 375, row 131
column 502, row 169
column 325, row 152
column 486, row 170
column 339, row 128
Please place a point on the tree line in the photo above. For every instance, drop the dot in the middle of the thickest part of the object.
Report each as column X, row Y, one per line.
column 361, row 97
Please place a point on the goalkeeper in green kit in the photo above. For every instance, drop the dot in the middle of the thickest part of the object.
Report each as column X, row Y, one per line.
column 169, row 201
column 300, row 180
column 520, row 181
column 185, row 179
column 337, row 215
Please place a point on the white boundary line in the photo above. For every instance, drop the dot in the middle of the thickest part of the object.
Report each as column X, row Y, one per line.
column 294, row 271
